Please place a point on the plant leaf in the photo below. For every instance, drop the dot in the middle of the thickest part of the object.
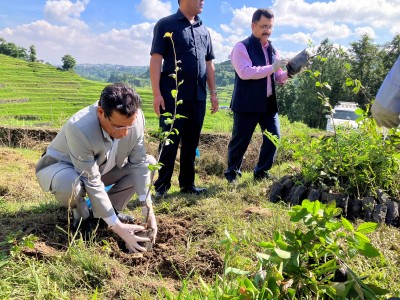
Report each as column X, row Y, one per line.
column 263, row 256
column 367, row 227
column 298, row 216
column 174, row 93
column 282, row 253
column 369, row 251
column 235, row 271
column 361, row 237
column 347, row 225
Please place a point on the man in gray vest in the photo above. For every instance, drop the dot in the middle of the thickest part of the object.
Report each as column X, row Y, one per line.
column 257, row 69
column 102, row 145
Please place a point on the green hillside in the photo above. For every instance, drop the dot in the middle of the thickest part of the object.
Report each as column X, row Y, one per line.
column 36, row 94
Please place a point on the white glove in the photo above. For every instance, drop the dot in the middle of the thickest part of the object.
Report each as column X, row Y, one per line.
column 150, row 219
column 384, row 117
column 279, row 63
column 127, row 233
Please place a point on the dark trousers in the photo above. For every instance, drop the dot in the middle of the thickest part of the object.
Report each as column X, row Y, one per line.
column 189, row 134
column 244, row 125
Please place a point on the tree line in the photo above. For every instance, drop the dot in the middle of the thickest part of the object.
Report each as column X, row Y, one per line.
column 364, row 61
column 13, row 50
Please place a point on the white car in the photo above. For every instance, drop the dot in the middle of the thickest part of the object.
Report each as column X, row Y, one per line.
column 343, row 116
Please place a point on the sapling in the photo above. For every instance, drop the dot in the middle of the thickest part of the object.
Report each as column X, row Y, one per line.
column 164, row 137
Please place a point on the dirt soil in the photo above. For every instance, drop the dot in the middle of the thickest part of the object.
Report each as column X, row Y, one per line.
column 165, row 258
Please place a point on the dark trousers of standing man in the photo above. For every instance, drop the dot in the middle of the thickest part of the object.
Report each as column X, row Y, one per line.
column 189, row 134
column 244, row 125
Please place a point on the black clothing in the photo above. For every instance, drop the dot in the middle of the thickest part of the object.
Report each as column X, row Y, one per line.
column 189, row 134
column 193, row 48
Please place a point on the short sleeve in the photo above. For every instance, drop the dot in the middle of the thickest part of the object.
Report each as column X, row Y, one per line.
column 210, row 50
column 158, row 44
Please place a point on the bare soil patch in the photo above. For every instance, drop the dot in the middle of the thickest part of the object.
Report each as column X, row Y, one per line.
column 166, row 258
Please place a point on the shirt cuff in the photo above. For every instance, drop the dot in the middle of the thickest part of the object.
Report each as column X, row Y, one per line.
column 111, row 221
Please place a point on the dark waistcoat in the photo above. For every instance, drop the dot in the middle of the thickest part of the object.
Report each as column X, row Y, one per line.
column 251, row 95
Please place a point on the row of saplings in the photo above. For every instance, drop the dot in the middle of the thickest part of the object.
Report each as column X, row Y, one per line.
column 381, row 209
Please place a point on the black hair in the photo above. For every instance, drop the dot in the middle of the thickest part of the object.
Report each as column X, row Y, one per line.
column 119, row 97
column 266, row 12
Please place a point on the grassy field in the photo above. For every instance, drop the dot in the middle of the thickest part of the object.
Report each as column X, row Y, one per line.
column 41, row 259
column 35, row 94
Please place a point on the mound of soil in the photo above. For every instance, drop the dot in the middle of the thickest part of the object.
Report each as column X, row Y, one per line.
column 166, row 257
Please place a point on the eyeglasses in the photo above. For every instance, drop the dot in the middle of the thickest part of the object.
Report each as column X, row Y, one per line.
column 265, row 27
column 120, row 127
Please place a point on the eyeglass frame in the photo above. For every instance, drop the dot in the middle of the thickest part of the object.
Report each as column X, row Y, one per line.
column 120, row 127
column 264, row 27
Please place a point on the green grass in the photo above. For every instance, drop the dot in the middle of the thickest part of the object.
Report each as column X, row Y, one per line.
column 63, row 266
column 35, row 94
column 190, row 231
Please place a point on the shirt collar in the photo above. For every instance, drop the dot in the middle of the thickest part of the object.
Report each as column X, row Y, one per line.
column 105, row 134
column 254, row 38
column 180, row 15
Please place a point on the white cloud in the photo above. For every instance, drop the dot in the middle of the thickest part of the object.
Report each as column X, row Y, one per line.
column 128, row 46
column 241, row 21
column 226, row 7
column 154, row 9
column 65, row 12
column 297, row 13
column 360, row 31
column 62, row 30
column 395, row 29
column 298, row 37
column 222, row 48
column 332, row 31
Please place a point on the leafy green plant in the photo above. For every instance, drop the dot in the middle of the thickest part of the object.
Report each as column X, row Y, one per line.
column 165, row 136
column 310, row 263
column 357, row 162
column 17, row 245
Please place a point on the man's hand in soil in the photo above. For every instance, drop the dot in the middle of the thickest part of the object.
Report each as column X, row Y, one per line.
column 148, row 215
column 127, row 233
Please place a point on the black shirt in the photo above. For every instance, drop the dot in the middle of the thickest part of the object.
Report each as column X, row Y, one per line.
column 193, row 48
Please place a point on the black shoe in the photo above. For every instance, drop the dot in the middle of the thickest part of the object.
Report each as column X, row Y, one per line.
column 127, row 219
column 160, row 194
column 193, row 190
column 260, row 176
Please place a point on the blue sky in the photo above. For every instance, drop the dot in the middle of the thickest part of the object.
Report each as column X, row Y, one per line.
column 120, row 32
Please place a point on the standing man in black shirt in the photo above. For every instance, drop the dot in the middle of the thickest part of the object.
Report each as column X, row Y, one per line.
column 194, row 50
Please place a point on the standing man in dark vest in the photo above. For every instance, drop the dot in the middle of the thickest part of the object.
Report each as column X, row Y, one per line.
column 193, row 48
column 257, row 68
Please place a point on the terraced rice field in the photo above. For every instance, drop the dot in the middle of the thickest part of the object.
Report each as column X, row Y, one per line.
column 40, row 95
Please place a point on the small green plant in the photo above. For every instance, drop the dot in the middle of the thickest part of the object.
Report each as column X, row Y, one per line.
column 355, row 161
column 310, row 263
column 164, row 136
column 16, row 245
